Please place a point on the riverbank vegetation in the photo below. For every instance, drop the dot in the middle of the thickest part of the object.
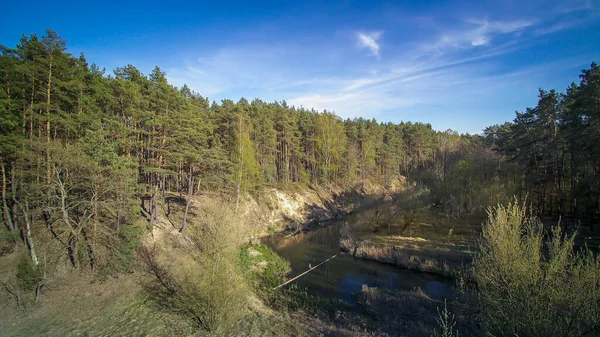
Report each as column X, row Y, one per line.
column 409, row 232
column 531, row 281
column 121, row 175
column 197, row 275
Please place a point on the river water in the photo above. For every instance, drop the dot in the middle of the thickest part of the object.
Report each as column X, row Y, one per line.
column 345, row 275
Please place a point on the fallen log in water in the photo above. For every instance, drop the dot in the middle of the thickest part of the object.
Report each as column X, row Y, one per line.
column 306, row 272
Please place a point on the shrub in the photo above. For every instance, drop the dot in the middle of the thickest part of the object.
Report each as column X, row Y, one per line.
column 197, row 274
column 7, row 240
column 28, row 275
column 527, row 288
column 129, row 242
column 263, row 267
column 446, row 323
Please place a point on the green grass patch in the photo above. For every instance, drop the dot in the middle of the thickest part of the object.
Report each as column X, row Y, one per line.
column 263, row 268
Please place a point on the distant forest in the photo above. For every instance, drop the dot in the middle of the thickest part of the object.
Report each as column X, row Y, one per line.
column 80, row 149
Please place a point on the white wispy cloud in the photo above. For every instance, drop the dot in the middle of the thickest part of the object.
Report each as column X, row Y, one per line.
column 590, row 16
column 475, row 33
column 348, row 105
column 575, row 6
column 232, row 68
column 370, row 41
column 452, row 66
column 262, row 71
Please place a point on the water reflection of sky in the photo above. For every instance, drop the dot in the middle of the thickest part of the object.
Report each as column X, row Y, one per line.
column 351, row 285
column 344, row 276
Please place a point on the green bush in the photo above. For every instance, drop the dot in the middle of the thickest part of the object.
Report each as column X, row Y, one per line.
column 263, row 268
column 197, row 274
column 129, row 242
column 7, row 240
column 28, row 275
column 529, row 287
column 276, row 269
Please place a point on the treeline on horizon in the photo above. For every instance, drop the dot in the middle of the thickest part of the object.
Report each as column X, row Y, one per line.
column 80, row 150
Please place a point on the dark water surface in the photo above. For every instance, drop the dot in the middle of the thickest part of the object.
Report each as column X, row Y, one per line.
column 345, row 275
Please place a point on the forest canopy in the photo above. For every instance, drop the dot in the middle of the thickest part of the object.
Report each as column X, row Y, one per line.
column 81, row 149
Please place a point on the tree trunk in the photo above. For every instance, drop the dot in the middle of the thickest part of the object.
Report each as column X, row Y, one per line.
column 241, row 167
column 72, row 250
column 90, row 250
column 27, row 235
column 118, row 212
column 13, row 192
column 153, row 215
column 95, row 217
column 5, row 210
column 30, row 109
column 48, row 90
column 188, row 201
column 48, row 220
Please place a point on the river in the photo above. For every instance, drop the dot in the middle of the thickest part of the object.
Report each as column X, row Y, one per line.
column 345, row 275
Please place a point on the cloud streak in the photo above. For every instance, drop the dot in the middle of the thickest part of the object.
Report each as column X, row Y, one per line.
column 475, row 33
column 458, row 67
column 370, row 42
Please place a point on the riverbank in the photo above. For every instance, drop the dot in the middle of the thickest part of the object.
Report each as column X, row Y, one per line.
column 101, row 304
column 431, row 243
column 293, row 207
column 287, row 209
column 355, row 297
column 392, row 313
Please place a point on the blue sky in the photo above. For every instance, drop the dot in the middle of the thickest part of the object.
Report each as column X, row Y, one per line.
column 454, row 64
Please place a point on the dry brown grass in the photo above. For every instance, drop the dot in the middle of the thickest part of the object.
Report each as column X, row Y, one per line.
column 87, row 307
column 399, row 257
column 339, row 325
column 411, row 313
column 432, row 243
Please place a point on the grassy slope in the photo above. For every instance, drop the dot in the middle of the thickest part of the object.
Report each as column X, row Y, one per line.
column 83, row 306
